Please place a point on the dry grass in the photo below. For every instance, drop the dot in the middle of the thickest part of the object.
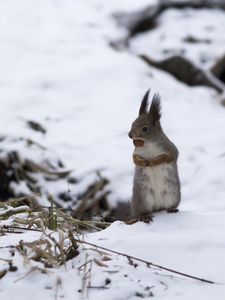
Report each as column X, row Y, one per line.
column 47, row 250
column 26, row 216
column 56, row 244
column 59, row 233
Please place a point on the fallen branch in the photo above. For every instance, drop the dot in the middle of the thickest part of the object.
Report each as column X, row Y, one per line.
column 129, row 257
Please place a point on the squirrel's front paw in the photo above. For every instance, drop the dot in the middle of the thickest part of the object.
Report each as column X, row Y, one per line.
column 140, row 161
column 146, row 218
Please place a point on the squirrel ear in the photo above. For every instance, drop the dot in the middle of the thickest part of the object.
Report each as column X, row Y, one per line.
column 154, row 114
column 144, row 104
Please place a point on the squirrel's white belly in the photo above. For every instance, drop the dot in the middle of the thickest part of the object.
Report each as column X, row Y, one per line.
column 158, row 190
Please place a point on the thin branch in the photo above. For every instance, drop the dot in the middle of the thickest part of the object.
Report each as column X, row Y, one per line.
column 146, row 262
column 98, row 287
column 31, row 270
column 58, row 283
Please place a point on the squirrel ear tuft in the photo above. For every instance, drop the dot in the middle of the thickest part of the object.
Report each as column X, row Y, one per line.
column 155, row 110
column 144, row 104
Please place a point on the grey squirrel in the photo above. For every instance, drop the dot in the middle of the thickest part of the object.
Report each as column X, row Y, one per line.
column 156, row 184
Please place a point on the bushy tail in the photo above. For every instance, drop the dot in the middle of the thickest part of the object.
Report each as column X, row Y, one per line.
column 120, row 213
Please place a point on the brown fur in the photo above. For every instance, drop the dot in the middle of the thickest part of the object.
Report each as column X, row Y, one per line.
column 159, row 160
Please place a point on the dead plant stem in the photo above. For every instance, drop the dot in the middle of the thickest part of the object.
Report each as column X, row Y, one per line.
column 149, row 264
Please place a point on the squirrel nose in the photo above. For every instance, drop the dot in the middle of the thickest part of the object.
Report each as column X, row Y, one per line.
column 130, row 135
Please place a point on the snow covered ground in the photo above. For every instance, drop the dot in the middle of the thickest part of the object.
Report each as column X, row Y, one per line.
column 58, row 68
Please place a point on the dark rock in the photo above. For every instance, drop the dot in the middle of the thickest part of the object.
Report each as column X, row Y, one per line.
column 186, row 71
column 146, row 19
column 193, row 40
column 218, row 69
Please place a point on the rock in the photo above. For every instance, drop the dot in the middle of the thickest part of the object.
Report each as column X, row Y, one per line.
column 218, row 69
column 186, row 71
column 146, row 18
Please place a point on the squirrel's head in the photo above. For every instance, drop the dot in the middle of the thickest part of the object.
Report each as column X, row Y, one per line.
column 147, row 126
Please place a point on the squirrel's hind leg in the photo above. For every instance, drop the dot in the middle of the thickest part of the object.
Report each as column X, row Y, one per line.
column 146, row 218
column 172, row 210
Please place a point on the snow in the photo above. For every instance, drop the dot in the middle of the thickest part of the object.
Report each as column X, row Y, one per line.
column 186, row 242
column 206, row 28
column 58, row 69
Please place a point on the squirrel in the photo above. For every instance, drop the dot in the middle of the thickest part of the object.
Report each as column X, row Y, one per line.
column 156, row 184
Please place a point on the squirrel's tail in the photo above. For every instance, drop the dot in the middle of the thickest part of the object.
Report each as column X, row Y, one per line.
column 122, row 212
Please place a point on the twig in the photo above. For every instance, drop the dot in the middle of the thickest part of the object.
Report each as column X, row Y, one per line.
column 7, row 247
column 146, row 262
column 31, row 142
column 98, row 287
column 31, row 270
column 163, row 283
column 87, row 274
column 6, row 260
column 58, row 283
column 87, row 262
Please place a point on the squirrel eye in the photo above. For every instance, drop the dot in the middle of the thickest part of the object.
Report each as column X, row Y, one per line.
column 145, row 129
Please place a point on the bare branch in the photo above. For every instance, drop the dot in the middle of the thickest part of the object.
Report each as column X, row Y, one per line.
column 129, row 257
